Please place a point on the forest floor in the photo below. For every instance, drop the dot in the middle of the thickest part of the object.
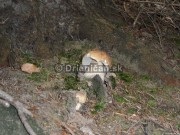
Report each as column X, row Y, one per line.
column 139, row 105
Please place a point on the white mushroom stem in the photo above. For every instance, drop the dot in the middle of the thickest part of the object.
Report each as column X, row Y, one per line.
column 81, row 98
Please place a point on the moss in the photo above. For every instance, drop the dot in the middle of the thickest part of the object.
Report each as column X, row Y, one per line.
column 125, row 77
column 177, row 41
column 178, row 126
column 153, row 90
column 98, row 107
column 145, row 77
column 152, row 103
column 40, row 76
column 28, row 58
column 113, row 82
column 119, row 99
column 132, row 110
column 177, row 55
column 73, row 56
column 70, row 82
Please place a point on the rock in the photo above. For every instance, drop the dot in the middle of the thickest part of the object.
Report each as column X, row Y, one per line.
column 86, row 130
column 99, row 88
column 10, row 123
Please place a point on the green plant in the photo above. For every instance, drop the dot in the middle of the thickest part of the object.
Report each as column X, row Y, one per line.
column 145, row 77
column 132, row 110
column 70, row 82
column 40, row 76
column 113, row 82
column 119, row 99
column 152, row 103
column 125, row 77
column 177, row 41
column 153, row 90
column 99, row 107
column 177, row 55
column 178, row 126
column 73, row 55
column 28, row 58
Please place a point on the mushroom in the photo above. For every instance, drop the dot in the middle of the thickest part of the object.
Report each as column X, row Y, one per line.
column 97, row 56
column 95, row 62
column 29, row 68
column 81, row 98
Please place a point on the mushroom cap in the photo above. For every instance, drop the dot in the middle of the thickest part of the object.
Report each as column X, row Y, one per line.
column 81, row 96
column 100, row 56
column 29, row 68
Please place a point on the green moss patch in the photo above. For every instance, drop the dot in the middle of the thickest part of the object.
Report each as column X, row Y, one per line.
column 40, row 76
column 125, row 77
column 70, row 82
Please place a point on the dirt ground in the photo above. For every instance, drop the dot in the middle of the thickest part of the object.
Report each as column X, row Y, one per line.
column 139, row 106
column 145, row 99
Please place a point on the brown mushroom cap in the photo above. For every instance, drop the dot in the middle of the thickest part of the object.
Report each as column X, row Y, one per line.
column 29, row 68
column 100, row 56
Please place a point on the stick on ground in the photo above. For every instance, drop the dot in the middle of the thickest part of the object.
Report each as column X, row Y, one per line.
column 6, row 98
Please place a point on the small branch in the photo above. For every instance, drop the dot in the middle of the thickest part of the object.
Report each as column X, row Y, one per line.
column 66, row 127
column 15, row 103
column 3, row 22
column 157, row 29
column 159, row 3
column 25, row 123
column 4, row 103
column 137, row 17
column 132, row 126
column 6, row 98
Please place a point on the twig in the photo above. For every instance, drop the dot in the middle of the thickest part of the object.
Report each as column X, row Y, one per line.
column 157, row 29
column 62, row 124
column 3, row 22
column 17, row 104
column 4, row 103
column 20, row 108
column 159, row 3
column 133, row 126
column 137, row 17
column 126, row 10
column 65, row 126
column 25, row 123
column 161, row 125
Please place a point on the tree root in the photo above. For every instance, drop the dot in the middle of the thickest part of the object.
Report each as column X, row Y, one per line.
column 6, row 99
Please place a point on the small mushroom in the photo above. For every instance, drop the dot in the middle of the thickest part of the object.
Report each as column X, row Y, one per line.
column 29, row 68
column 81, row 98
column 96, row 62
column 98, row 56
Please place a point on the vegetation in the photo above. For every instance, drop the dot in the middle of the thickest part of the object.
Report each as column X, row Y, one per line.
column 119, row 98
column 40, row 76
column 73, row 55
column 98, row 107
column 132, row 110
column 145, row 77
column 70, row 82
column 29, row 58
column 152, row 103
column 113, row 82
column 125, row 77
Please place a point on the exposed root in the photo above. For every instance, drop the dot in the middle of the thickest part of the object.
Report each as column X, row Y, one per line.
column 6, row 99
